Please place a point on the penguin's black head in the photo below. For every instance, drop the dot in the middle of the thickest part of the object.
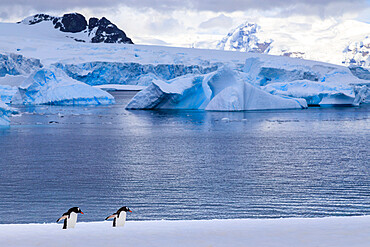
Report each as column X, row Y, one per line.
column 126, row 209
column 75, row 210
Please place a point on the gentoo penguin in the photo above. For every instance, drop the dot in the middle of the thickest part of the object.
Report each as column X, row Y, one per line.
column 119, row 216
column 70, row 217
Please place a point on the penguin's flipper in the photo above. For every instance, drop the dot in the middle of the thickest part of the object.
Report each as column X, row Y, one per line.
column 111, row 216
column 114, row 222
column 65, row 223
column 62, row 218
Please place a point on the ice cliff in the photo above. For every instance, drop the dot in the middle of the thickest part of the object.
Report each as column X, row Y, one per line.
column 99, row 73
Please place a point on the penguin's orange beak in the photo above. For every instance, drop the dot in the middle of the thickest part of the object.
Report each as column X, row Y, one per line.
column 130, row 211
column 82, row 213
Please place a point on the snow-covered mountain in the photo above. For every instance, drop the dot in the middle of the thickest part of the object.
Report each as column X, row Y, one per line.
column 344, row 43
column 76, row 27
column 244, row 38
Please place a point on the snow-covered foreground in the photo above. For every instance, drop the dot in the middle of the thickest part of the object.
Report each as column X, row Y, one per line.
column 336, row 231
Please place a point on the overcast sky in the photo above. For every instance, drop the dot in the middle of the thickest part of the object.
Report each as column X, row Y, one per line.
column 156, row 21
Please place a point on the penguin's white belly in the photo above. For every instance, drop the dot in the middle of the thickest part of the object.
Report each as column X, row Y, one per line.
column 121, row 219
column 72, row 220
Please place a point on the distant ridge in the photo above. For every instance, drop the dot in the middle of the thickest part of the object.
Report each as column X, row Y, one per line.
column 340, row 42
column 94, row 31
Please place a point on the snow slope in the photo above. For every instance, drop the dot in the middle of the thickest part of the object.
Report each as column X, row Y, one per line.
column 329, row 40
column 337, row 231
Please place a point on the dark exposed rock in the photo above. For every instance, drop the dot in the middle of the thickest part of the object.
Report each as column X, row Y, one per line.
column 93, row 22
column 73, row 23
column 104, row 31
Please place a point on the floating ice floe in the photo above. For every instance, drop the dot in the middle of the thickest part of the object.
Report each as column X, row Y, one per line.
column 52, row 86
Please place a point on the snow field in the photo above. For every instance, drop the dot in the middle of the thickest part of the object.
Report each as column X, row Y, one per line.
column 325, row 232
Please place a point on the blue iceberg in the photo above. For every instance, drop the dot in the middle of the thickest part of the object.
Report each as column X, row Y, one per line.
column 222, row 90
column 52, row 86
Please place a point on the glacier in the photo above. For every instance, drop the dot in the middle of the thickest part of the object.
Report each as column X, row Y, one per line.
column 52, row 86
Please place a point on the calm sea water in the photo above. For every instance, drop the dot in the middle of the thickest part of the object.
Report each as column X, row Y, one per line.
column 184, row 164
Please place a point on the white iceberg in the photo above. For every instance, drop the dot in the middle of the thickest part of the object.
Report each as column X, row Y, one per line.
column 52, row 86
column 222, row 90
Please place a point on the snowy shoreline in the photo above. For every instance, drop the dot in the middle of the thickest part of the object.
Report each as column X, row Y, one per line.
column 331, row 231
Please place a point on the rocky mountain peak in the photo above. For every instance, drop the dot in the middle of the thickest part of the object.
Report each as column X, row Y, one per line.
column 97, row 30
